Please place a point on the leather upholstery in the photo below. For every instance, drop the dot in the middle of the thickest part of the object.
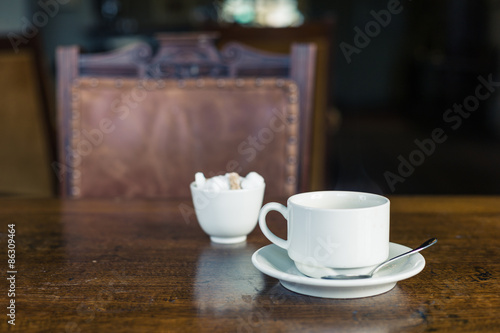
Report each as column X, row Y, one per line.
column 147, row 138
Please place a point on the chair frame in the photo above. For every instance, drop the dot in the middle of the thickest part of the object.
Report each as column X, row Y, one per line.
column 182, row 56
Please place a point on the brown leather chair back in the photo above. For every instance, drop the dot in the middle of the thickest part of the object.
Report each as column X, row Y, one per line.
column 148, row 138
column 146, row 135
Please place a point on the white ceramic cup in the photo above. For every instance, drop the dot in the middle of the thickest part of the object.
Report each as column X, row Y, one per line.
column 227, row 216
column 333, row 232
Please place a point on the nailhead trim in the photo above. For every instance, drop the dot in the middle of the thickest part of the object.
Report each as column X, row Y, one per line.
column 292, row 116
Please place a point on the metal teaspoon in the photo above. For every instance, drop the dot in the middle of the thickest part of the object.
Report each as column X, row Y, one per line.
column 424, row 245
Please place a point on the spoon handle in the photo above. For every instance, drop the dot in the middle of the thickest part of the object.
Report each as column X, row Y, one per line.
column 424, row 245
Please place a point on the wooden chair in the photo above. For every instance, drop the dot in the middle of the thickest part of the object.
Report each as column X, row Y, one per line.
column 27, row 140
column 134, row 124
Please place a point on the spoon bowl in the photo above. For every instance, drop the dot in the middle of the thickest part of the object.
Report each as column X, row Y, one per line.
column 423, row 246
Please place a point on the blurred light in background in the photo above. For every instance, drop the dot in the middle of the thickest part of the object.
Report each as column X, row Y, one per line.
column 264, row 13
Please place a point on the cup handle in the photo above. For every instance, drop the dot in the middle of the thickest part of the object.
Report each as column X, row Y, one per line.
column 263, row 224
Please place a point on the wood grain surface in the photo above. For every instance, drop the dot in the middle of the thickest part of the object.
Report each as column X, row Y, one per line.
column 146, row 266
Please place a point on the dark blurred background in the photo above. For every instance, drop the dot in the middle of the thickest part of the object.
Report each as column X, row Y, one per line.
column 398, row 70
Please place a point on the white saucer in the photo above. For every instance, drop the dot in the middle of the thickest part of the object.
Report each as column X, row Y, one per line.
column 274, row 261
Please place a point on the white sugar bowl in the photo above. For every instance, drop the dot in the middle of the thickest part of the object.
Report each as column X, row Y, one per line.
column 227, row 216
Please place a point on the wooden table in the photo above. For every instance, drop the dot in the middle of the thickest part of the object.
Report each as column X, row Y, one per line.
column 142, row 266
